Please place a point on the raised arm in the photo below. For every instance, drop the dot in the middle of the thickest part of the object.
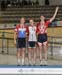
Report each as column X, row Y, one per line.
column 54, row 14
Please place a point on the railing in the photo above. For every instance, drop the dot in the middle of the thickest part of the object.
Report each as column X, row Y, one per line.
column 56, row 41
column 6, row 40
column 53, row 41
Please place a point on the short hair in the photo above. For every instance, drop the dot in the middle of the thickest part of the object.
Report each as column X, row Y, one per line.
column 31, row 19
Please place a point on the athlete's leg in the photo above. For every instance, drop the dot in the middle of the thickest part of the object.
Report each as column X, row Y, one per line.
column 45, row 47
column 30, row 52
column 18, row 55
column 40, row 50
column 23, row 44
column 34, row 56
column 29, row 55
column 34, row 52
column 23, row 55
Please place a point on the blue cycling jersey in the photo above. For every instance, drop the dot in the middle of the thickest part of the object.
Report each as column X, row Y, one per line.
column 22, row 33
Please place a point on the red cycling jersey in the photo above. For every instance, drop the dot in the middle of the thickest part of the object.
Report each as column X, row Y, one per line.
column 42, row 28
column 19, row 29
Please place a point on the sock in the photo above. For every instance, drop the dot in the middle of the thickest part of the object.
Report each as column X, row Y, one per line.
column 22, row 61
column 18, row 61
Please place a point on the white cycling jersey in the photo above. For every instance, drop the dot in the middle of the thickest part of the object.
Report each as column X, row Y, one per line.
column 32, row 33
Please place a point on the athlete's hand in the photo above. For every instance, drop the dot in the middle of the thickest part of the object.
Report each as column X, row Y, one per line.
column 38, row 32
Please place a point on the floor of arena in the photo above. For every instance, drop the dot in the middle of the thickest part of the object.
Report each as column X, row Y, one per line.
column 12, row 60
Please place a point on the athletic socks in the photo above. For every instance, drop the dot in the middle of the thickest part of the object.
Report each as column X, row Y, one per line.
column 22, row 61
column 18, row 61
column 43, row 62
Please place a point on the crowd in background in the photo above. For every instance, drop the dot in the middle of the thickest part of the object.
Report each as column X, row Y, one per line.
column 20, row 3
column 17, row 3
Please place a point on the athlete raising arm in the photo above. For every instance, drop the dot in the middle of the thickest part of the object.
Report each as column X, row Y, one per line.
column 42, row 35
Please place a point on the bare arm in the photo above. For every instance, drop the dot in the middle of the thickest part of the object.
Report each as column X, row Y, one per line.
column 54, row 14
column 15, row 37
